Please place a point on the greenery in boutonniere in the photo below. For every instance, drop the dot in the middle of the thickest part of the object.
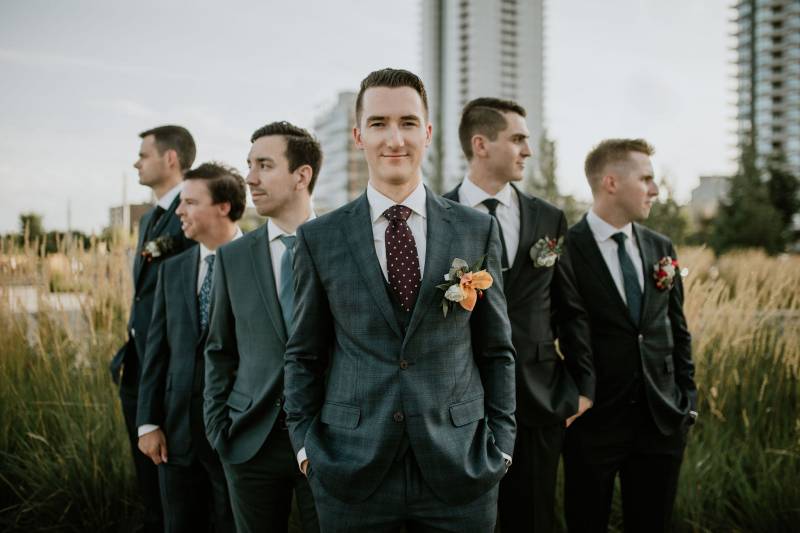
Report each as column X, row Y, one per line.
column 464, row 284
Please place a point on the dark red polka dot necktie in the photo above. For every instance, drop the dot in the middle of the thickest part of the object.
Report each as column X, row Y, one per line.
column 402, row 262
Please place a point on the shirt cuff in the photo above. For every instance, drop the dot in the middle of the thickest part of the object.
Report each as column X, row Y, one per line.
column 506, row 458
column 301, row 456
column 144, row 429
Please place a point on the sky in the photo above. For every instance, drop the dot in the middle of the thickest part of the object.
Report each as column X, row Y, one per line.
column 79, row 80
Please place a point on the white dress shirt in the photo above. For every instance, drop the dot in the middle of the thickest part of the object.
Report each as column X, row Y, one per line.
column 165, row 201
column 508, row 214
column 144, row 429
column 602, row 232
column 276, row 246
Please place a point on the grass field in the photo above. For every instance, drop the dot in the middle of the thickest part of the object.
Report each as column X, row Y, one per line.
column 65, row 464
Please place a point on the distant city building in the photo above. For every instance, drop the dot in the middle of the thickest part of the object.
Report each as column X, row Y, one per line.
column 344, row 171
column 127, row 216
column 707, row 196
column 768, row 78
column 475, row 48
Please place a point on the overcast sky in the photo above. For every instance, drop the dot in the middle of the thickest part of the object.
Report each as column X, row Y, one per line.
column 80, row 78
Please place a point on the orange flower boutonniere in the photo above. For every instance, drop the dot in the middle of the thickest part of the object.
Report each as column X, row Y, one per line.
column 464, row 285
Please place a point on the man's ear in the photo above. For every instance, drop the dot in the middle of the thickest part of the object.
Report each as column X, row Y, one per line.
column 428, row 133
column 224, row 208
column 609, row 183
column 303, row 174
column 172, row 159
column 357, row 138
column 478, row 143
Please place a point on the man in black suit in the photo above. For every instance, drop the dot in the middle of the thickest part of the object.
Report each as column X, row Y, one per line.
column 165, row 154
column 170, row 411
column 251, row 319
column 543, row 305
column 645, row 394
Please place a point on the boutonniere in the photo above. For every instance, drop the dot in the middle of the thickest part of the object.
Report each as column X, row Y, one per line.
column 545, row 252
column 664, row 272
column 163, row 245
column 464, row 284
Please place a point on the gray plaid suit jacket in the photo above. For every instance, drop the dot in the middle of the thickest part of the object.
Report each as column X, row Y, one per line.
column 356, row 387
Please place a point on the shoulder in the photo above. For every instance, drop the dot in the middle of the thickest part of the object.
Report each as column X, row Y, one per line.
column 323, row 225
column 179, row 260
column 661, row 241
column 542, row 206
column 242, row 244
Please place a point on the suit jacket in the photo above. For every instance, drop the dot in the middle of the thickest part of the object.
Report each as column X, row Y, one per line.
column 653, row 357
column 244, row 350
column 544, row 304
column 145, row 275
column 173, row 344
column 357, row 389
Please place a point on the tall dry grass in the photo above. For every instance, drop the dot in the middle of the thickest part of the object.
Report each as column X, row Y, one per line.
column 65, row 463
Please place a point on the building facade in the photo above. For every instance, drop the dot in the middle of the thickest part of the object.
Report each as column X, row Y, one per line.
column 768, row 79
column 474, row 48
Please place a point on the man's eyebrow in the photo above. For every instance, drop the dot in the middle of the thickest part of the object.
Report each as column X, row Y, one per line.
column 410, row 117
column 372, row 118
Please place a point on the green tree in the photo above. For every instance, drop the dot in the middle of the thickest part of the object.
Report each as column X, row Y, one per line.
column 667, row 217
column 783, row 188
column 548, row 189
column 30, row 225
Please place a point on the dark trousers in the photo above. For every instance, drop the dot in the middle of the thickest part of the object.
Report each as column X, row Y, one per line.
column 403, row 499
column 146, row 470
column 261, row 488
column 648, row 464
column 195, row 496
column 528, row 491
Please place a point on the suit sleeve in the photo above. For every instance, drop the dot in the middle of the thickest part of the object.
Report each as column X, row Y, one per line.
column 308, row 350
column 572, row 322
column 221, row 357
column 150, row 409
column 494, row 352
column 682, row 351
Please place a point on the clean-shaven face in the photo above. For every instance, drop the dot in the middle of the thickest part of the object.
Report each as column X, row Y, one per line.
column 197, row 210
column 508, row 152
column 393, row 133
column 636, row 187
column 271, row 184
column 152, row 166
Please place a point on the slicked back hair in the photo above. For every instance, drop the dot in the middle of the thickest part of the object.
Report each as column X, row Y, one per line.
column 611, row 151
column 175, row 138
column 225, row 185
column 484, row 116
column 392, row 78
column 301, row 147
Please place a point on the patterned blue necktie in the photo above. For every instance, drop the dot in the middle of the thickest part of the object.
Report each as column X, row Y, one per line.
column 286, row 289
column 633, row 293
column 205, row 292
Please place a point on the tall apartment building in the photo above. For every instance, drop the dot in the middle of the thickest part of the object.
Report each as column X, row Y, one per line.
column 475, row 48
column 344, row 171
column 768, row 78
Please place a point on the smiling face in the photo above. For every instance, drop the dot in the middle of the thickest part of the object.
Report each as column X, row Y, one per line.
column 635, row 189
column 198, row 213
column 393, row 133
column 506, row 154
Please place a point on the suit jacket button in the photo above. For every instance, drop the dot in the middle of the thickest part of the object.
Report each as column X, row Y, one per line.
column 403, row 364
column 398, row 417
column 138, row 298
column 278, row 403
column 641, row 337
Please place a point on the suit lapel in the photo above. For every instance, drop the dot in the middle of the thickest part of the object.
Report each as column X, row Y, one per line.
column 437, row 257
column 358, row 232
column 190, row 269
column 649, row 258
column 166, row 217
column 152, row 233
column 265, row 279
column 528, row 227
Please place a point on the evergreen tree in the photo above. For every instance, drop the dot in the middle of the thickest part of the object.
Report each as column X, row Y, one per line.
column 783, row 188
column 667, row 217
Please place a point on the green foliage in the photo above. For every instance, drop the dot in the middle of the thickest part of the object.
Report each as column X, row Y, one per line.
column 667, row 217
column 30, row 226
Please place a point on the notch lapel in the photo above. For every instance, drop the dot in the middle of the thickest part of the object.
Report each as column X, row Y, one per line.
column 261, row 257
column 649, row 258
column 528, row 227
column 137, row 261
column 437, row 257
column 190, row 269
column 358, row 232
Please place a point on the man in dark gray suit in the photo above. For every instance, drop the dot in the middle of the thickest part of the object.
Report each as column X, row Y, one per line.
column 251, row 319
column 645, row 395
column 543, row 305
column 166, row 153
column 400, row 415
column 170, row 412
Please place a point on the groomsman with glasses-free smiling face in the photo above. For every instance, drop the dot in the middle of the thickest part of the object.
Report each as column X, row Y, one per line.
column 251, row 319
column 170, row 412
column 166, row 153
column 543, row 305
column 401, row 416
column 645, row 395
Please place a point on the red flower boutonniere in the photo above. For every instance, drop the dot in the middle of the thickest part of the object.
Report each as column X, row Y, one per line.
column 546, row 251
column 164, row 245
column 664, row 273
column 464, row 285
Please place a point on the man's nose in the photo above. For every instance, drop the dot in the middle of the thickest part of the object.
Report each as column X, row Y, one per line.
column 395, row 139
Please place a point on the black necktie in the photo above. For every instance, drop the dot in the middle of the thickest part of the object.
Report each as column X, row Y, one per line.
column 491, row 205
column 157, row 213
column 633, row 293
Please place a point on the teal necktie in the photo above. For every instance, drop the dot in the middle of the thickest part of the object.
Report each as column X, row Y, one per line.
column 286, row 290
column 205, row 292
column 633, row 293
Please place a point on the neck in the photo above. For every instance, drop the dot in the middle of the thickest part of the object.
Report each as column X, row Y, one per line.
column 485, row 180
column 221, row 234
column 166, row 185
column 610, row 215
column 397, row 192
column 290, row 218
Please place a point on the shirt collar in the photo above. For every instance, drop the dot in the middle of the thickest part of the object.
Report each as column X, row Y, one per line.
column 378, row 203
column 273, row 231
column 474, row 195
column 205, row 252
column 602, row 230
column 165, row 201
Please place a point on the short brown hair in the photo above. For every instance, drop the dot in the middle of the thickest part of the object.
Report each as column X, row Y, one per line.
column 612, row 151
column 301, row 147
column 225, row 185
column 484, row 116
column 393, row 78
column 175, row 138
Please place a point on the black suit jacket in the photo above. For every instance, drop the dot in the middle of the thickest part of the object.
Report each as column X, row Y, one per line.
column 544, row 304
column 174, row 343
column 653, row 358
column 145, row 275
